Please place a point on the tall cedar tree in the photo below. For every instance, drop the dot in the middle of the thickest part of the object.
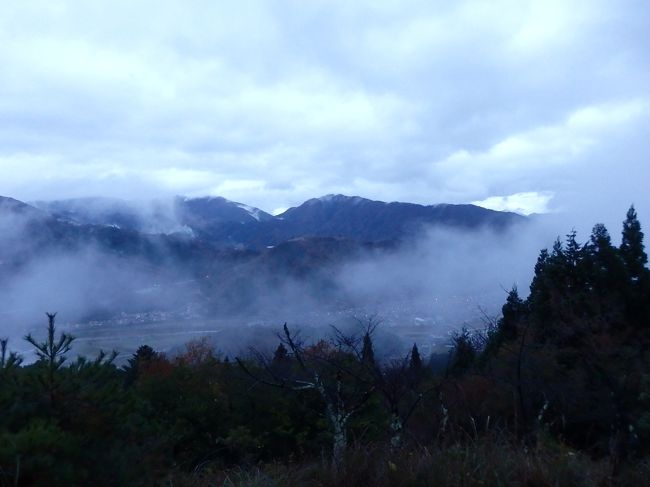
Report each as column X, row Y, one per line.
column 632, row 249
column 144, row 355
column 635, row 259
column 415, row 370
column 607, row 275
column 512, row 312
column 463, row 352
column 367, row 352
column 415, row 363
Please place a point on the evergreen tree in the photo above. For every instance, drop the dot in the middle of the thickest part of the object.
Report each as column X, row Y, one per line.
column 143, row 355
column 573, row 250
column 51, row 354
column 575, row 263
column 632, row 249
column 281, row 363
column 463, row 352
column 544, row 292
column 281, row 354
column 8, row 360
column 601, row 242
column 638, row 276
column 603, row 302
column 52, row 350
column 367, row 352
column 507, row 327
column 558, row 256
column 512, row 312
column 542, row 261
column 538, row 287
column 415, row 362
column 415, row 370
column 556, row 271
column 607, row 271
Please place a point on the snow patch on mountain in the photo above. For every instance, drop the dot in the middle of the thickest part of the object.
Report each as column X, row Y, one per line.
column 254, row 212
column 340, row 198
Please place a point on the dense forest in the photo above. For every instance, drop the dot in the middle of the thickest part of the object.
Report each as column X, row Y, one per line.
column 556, row 391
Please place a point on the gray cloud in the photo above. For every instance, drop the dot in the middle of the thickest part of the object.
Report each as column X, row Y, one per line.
column 273, row 102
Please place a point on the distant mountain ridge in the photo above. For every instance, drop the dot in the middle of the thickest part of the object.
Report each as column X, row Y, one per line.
column 180, row 214
column 227, row 223
column 369, row 220
column 27, row 232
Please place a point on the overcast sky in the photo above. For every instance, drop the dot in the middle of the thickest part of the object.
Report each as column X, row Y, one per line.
column 530, row 106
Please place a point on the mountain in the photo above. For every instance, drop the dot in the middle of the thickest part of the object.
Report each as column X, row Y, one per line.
column 92, row 270
column 95, row 211
column 10, row 206
column 211, row 211
column 229, row 224
column 373, row 221
column 215, row 219
column 29, row 232
column 186, row 227
column 201, row 216
column 359, row 219
column 25, row 232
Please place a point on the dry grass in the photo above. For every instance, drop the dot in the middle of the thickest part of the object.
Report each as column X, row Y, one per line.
column 479, row 463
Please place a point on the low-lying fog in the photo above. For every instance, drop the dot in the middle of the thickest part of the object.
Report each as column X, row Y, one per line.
column 420, row 292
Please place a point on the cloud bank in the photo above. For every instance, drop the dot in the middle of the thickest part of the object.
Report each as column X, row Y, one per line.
column 271, row 103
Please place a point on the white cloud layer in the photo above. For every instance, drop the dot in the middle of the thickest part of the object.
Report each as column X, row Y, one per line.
column 274, row 102
column 523, row 203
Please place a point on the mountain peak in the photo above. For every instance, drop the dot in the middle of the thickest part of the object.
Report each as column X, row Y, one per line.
column 337, row 198
column 210, row 210
column 15, row 206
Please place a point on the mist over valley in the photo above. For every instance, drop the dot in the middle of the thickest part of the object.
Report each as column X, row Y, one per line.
column 162, row 272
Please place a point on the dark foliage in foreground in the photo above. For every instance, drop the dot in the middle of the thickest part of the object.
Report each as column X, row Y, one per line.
column 555, row 392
